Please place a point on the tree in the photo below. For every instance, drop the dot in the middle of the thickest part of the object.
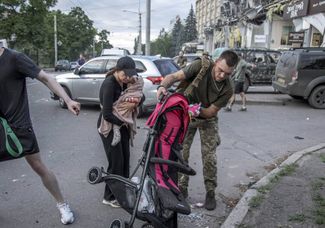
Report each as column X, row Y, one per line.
column 162, row 45
column 102, row 41
column 177, row 36
column 26, row 21
column 81, row 33
column 190, row 32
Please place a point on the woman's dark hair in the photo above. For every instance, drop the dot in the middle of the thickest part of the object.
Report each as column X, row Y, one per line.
column 111, row 71
column 230, row 56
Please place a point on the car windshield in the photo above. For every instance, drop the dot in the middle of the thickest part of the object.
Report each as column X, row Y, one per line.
column 166, row 66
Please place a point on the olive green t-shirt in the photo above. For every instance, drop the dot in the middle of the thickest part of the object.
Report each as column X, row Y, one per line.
column 209, row 90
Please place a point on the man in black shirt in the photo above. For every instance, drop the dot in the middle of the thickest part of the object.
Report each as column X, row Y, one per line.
column 14, row 68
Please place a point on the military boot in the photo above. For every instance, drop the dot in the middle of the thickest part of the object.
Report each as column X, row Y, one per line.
column 210, row 201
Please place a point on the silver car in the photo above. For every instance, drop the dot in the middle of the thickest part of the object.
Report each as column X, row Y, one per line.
column 84, row 83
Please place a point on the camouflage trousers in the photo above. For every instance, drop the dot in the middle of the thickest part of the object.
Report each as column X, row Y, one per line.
column 210, row 139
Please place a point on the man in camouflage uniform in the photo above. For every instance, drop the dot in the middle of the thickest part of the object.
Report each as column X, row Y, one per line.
column 213, row 92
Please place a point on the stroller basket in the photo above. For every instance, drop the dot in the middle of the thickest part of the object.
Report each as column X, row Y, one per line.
column 124, row 190
column 126, row 193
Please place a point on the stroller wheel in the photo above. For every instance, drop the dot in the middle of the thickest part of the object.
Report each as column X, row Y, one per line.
column 117, row 224
column 94, row 175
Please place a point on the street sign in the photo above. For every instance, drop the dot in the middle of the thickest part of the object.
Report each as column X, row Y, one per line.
column 296, row 37
column 60, row 43
column 260, row 38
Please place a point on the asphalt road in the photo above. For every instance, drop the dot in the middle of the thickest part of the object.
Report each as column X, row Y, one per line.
column 70, row 145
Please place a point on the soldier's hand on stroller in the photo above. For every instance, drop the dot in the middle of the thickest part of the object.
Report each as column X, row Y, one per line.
column 161, row 91
column 194, row 110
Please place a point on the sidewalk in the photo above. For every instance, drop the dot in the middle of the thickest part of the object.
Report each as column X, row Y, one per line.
column 264, row 95
column 292, row 195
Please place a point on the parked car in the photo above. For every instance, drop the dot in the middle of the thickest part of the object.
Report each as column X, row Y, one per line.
column 84, row 83
column 62, row 65
column 264, row 59
column 300, row 72
column 73, row 65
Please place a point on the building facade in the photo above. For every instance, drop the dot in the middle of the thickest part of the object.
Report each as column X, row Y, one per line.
column 275, row 24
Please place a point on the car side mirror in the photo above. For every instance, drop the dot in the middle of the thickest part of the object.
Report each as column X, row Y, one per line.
column 77, row 71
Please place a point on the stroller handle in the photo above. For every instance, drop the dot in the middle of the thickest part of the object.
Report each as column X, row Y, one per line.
column 181, row 168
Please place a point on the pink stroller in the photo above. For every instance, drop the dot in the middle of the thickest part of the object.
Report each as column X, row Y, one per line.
column 155, row 197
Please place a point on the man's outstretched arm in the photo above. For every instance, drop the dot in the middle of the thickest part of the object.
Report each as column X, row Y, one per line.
column 56, row 88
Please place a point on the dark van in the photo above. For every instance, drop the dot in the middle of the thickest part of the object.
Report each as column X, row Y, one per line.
column 300, row 73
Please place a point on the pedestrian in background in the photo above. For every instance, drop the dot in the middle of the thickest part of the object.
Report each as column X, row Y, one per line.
column 238, row 80
column 182, row 60
column 213, row 92
column 118, row 155
column 81, row 60
column 14, row 68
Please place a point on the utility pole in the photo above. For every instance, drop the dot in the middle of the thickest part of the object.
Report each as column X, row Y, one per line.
column 140, row 36
column 55, row 42
column 148, row 2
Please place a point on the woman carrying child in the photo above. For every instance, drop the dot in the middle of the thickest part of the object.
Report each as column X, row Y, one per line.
column 120, row 94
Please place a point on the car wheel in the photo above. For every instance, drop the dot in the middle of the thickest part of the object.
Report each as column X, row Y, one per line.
column 317, row 97
column 61, row 101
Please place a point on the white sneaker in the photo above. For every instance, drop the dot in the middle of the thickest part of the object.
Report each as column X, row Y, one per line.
column 66, row 213
column 112, row 203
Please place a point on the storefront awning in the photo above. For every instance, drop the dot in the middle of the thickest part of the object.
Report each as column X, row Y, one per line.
column 317, row 20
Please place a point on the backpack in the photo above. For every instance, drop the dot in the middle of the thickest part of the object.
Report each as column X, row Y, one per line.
column 187, row 87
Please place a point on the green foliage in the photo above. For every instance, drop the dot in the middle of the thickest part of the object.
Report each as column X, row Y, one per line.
column 177, row 36
column 190, row 32
column 297, row 218
column 264, row 189
column 32, row 25
column 103, row 41
column 162, row 45
column 256, row 201
column 25, row 20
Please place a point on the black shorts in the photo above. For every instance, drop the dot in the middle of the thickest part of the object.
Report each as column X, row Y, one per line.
column 239, row 87
column 27, row 139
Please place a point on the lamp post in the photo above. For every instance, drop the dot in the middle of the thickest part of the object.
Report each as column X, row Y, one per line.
column 139, row 48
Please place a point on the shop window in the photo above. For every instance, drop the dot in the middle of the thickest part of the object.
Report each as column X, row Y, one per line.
column 316, row 40
column 285, row 35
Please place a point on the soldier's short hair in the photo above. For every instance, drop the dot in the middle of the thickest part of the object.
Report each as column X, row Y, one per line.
column 230, row 56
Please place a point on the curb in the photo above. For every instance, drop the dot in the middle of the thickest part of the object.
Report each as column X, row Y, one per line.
column 238, row 214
